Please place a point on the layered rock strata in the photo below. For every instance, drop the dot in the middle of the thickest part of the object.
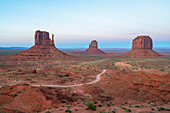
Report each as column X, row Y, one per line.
column 142, row 47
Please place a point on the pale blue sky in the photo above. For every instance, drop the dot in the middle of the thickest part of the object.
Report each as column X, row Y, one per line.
column 114, row 23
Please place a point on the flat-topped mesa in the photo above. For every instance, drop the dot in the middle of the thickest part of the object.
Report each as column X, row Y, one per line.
column 42, row 38
column 142, row 47
column 142, row 42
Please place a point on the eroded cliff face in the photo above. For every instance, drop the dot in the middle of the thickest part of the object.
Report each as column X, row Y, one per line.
column 93, row 49
column 42, row 38
column 93, row 44
column 142, row 42
column 142, row 47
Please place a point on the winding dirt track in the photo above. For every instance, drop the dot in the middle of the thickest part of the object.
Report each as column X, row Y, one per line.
column 97, row 79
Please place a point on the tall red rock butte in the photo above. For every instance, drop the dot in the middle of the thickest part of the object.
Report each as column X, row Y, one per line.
column 44, row 49
column 93, row 49
column 142, row 47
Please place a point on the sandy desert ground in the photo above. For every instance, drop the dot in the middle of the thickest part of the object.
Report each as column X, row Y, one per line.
column 137, row 85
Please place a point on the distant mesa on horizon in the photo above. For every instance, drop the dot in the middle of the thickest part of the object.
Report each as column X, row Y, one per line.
column 92, row 50
column 142, row 47
column 44, row 49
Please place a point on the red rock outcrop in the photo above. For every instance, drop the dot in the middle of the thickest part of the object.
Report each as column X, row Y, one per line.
column 142, row 42
column 42, row 38
column 93, row 49
column 142, row 47
column 44, row 48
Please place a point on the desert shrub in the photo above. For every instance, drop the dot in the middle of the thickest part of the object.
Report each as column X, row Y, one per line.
column 90, row 105
column 153, row 104
column 137, row 106
column 148, row 102
column 15, row 95
column 60, row 109
column 100, row 105
column 108, row 104
column 114, row 111
column 168, row 101
column 68, row 106
column 161, row 69
column 37, row 111
column 79, row 105
column 67, row 110
column 76, row 109
column 142, row 106
column 161, row 108
column 127, row 110
column 48, row 111
column 152, row 112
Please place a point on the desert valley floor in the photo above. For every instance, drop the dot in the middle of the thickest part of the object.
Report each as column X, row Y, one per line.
column 137, row 85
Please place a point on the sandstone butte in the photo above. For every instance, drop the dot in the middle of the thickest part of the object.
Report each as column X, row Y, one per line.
column 44, row 49
column 93, row 49
column 142, row 47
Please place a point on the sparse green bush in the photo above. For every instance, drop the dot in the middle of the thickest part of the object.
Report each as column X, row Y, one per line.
column 114, row 111
column 161, row 69
column 100, row 105
column 127, row 110
column 76, row 109
column 90, row 106
column 168, row 101
column 55, row 107
column 148, row 102
column 48, row 111
column 152, row 112
column 68, row 106
column 137, row 106
column 60, row 109
column 67, row 110
column 108, row 104
column 15, row 95
column 3, row 112
column 161, row 108
column 37, row 111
